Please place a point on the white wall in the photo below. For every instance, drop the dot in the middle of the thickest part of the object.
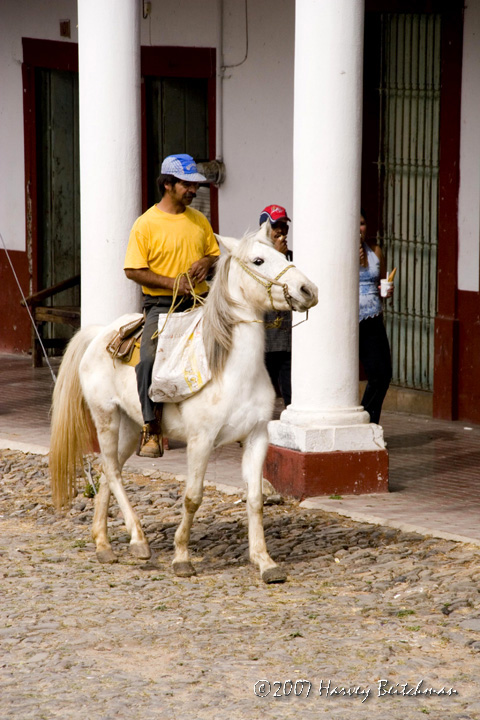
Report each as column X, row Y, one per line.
column 258, row 112
column 177, row 23
column 258, row 96
column 257, row 109
column 20, row 18
column 469, row 196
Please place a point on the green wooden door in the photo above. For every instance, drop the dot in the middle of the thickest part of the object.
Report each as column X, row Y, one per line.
column 177, row 122
column 408, row 168
column 58, row 186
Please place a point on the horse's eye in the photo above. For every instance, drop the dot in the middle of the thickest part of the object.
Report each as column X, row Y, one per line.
column 258, row 261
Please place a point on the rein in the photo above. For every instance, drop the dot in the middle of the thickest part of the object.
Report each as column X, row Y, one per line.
column 198, row 300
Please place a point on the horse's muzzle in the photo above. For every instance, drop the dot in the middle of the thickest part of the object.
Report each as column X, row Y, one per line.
column 307, row 297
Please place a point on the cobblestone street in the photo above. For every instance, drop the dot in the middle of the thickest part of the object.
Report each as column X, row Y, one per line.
column 365, row 610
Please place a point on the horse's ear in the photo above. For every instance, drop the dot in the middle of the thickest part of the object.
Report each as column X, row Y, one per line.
column 228, row 242
column 265, row 232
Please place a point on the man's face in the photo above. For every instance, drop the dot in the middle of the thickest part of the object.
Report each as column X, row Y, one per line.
column 279, row 236
column 184, row 192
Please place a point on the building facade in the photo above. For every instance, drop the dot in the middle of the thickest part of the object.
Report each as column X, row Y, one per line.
column 219, row 79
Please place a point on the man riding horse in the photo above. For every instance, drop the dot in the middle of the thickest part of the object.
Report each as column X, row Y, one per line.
column 169, row 239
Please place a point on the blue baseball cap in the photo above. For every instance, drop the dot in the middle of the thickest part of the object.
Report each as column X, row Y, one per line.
column 182, row 167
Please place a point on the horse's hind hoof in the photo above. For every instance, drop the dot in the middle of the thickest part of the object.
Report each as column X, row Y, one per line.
column 184, row 569
column 141, row 550
column 274, row 575
column 106, row 556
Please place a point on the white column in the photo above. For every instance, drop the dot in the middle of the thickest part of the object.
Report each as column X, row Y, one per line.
column 325, row 414
column 110, row 153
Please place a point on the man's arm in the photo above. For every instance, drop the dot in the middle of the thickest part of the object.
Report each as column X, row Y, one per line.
column 198, row 272
column 150, row 279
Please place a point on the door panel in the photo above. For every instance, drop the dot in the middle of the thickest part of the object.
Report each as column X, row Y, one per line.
column 58, row 185
column 408, row 177
column 177, row 121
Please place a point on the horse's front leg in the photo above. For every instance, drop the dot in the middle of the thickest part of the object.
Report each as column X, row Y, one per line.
column 198, row 453
column 255, row 450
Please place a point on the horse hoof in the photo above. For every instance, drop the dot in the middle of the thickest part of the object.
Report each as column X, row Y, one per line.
column 140, row 550
column 106, row 556
column 274, row 575
column 184, row 569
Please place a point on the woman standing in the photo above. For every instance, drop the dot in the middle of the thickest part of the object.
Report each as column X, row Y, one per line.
column 373, row 342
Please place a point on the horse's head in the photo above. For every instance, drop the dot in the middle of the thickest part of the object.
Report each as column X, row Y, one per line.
column 265, row 277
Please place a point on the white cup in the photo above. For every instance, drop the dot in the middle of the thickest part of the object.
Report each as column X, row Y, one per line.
column 385, row 286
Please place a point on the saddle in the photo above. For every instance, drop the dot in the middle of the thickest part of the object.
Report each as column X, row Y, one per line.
column 125, row 345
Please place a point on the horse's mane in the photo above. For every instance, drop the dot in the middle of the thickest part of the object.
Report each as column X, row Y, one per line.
column 219, row 316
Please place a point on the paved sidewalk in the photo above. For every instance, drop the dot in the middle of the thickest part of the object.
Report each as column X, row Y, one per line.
column 434, row 465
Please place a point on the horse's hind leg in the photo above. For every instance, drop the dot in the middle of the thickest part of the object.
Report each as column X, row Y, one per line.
column 129, row 432
column 255, row 449
column 117, row 440
column 198, row 454
column 104, row 550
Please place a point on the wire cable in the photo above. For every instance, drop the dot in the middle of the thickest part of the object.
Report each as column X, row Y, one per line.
column 54, row 378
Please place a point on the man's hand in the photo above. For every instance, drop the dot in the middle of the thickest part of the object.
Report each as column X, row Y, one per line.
column 199, row 269
column 280, row 243
column 183, row 286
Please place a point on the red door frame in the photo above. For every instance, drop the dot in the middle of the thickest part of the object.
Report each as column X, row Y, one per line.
column 445, row 394
column 184, row 62
column 55, row 55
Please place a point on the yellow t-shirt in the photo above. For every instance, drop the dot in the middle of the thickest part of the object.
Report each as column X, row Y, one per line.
column 168, row 244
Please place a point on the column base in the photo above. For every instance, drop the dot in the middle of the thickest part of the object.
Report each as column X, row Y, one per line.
column 307, row 474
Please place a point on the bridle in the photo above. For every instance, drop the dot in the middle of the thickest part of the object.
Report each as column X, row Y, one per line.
column 268, row 283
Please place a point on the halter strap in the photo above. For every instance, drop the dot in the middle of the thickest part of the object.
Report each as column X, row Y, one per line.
column 267, row 282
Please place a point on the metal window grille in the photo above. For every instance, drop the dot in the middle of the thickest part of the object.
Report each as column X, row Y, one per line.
column 408, row 168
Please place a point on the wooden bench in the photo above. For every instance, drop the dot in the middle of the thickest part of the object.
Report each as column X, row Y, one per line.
column 41, row 313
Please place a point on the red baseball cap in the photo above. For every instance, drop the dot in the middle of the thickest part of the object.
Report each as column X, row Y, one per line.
column 274, row 213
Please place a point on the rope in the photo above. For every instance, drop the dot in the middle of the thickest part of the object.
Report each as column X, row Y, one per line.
column 198, row 300
column 259, row 277
column 54, row 378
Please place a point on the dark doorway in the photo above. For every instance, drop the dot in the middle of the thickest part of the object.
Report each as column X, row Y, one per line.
column 411, row 76
column 58, row 187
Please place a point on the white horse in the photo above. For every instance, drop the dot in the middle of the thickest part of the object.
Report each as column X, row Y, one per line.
column 96, row 397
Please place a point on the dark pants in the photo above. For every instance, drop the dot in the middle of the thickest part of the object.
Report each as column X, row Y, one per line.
column 375, row 358
column 279, row 367
column 152, row 307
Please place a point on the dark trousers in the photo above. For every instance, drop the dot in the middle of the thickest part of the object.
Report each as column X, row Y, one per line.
column 376, row 360
column 279, row 367
column 152, row 307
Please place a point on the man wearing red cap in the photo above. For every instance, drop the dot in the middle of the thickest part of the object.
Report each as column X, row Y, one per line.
column 278, row 325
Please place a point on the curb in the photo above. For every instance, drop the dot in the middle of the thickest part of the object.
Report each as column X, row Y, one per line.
column 317, row 504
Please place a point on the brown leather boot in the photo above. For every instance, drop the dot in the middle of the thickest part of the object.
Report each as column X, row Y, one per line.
column 150, row 443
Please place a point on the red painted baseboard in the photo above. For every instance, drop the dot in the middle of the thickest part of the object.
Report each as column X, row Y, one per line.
column 302, row 475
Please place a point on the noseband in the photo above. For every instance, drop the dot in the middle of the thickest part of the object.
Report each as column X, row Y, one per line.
column 268, row 283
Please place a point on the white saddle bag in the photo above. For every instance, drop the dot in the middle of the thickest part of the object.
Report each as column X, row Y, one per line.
column 181, row 368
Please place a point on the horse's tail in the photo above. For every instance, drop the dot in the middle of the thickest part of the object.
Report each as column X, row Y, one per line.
column 72, row 429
